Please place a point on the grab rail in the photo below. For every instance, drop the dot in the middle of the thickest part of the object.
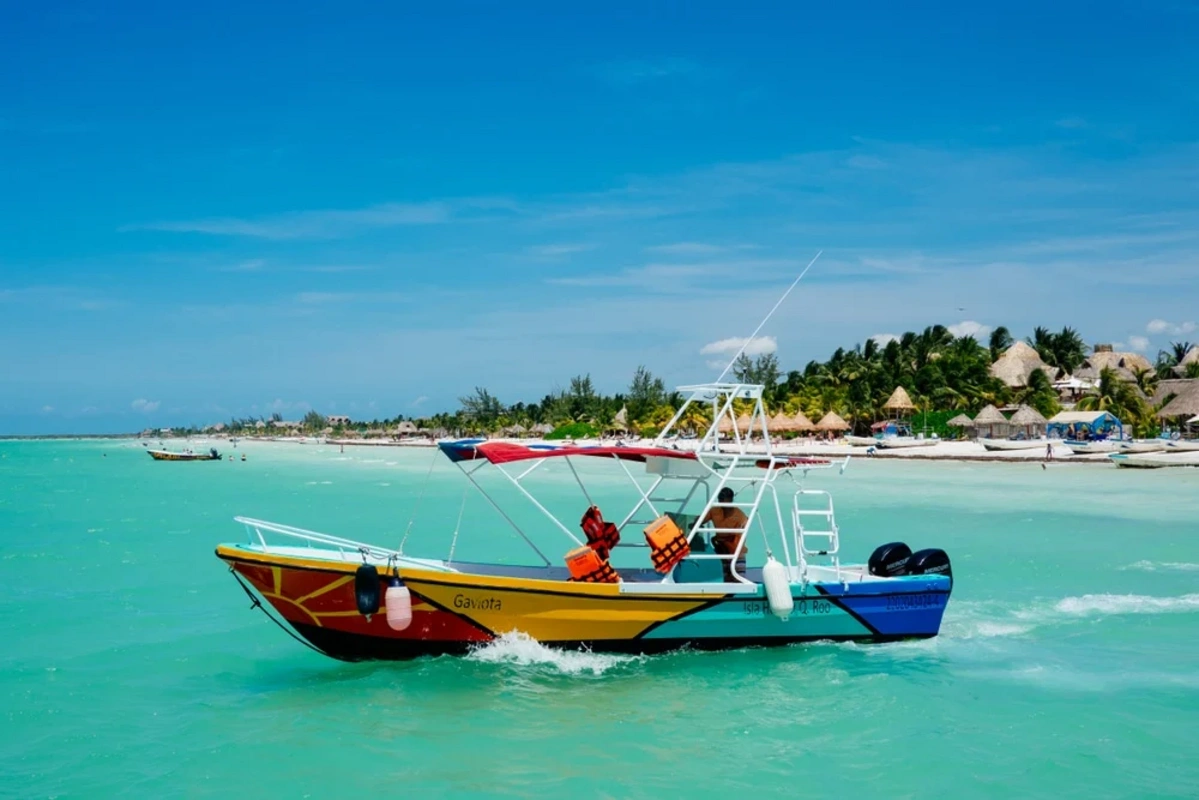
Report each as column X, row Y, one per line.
column 341, row 544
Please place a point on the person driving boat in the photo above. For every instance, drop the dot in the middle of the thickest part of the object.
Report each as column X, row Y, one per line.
column 731, row 524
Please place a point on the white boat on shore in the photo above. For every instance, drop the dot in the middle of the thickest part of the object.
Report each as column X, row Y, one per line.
column 1014, row 444
column 1154, row 460
column 1183, row 445
column 1142, row 445
column 862, row 441
column 1092, row 446
column 900, row 442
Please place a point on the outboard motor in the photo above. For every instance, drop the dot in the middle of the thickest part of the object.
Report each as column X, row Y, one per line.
column 366, row 589
column 889, row 560
column 930, row 562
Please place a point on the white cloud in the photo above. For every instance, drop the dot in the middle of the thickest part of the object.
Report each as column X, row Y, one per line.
column 557, row 250
column 1159, row 326
column 310, row 224
column 686, row 249
column 47, row 409
column 760, row 346
column 420, row 401
column 280, row 405
column 883, row 339
column 970, row 328
column 1138, row 343
column 145, row 406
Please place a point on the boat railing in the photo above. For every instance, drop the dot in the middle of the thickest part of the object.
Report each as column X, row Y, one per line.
column 346, row 547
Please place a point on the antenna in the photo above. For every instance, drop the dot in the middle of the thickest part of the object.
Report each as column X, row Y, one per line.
column 765, row 319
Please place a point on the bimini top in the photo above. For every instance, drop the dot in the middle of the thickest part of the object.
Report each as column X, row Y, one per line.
column 506, row 452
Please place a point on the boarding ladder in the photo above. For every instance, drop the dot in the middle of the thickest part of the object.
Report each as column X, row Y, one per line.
column 820, row 535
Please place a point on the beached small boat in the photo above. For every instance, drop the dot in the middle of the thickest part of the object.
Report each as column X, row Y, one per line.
column 862, row 441
column 901, row 442
column 1142, row 445
column 1183, row 445
column 1092, row 446
column 1154, row 460
column 1014, row 444
column 167, row 455
column 680, row 584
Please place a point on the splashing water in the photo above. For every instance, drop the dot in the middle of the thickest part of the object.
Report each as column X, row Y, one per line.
column 1127, row 604
column 1163, row 566
column 522, row 650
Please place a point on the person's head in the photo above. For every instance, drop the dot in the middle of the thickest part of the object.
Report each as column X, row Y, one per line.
column 725, row 495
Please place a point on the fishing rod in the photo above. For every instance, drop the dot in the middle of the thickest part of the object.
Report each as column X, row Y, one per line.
column 766, row 319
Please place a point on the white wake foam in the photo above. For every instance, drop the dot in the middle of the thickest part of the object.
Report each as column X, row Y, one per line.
column 523, row 650
column 1163, row 566
column 1127, row 604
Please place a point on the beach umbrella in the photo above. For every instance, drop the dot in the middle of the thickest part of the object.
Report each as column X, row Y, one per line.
column 743, row 424
column 832, row 422
column 725, row 425
column 899, row 401
column 961, row 421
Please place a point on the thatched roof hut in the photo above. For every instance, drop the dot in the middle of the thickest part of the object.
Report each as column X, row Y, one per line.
column 1184, row 404
column 725, row 425
column 1018, row 363
column 621, row 421
column 743, row 425
column 832, row 422
column 1030, row 419
column 781, row 423
column 990, row 418
column 802, row 423
column 515, row 430
column 407, row 426
column 1126, row 365
column 899, row 401
column 961, row 421
column 543, row 428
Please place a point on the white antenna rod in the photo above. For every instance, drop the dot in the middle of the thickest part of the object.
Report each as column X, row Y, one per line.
column 754, row 335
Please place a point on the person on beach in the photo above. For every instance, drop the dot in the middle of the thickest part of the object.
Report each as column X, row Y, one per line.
column 1049, row 451
column 732, row 522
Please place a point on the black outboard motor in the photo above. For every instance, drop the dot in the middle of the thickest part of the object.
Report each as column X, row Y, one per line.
column 366, row 589
column 930, row 562
column 889, row 560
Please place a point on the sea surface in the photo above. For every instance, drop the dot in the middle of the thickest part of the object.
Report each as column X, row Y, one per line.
column 132, row 664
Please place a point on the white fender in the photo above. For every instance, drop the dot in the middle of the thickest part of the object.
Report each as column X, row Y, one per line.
column 778, row 589
column 399, row 606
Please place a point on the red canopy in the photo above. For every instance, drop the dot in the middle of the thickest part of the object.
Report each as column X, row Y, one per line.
column 506, row 452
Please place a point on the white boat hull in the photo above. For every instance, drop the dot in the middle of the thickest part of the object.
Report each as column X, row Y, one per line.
column 1090, row 448
column 900, row 442
column 862, row 441
column 1153, row 460
column 1147, row 446
column 1184, row 445
column 1014, row 444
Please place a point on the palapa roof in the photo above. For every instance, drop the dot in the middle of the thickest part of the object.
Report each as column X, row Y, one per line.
column 802, row 423
column 1017, row 363
column 1186, row 404
column 990, row 416
column 961, row 421
column 1126, row 365
column 1191, row 356
column 899, row 401
column 781, row 423
column 743, row 422
column 1027, row 415
column 1171, row 388
column 407, row 426
column 543, row 427
column 832, row 422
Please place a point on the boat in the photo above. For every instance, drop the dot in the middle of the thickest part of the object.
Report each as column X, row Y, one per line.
column 1014, row 444
column 892, row 435
column 1142, row 445
column 1091, row 446
column 187, row 455
column 1184, row 445
column 1153, row 460
column 648, row 581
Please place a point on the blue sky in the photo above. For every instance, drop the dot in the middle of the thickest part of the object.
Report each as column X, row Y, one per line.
column 371, row 208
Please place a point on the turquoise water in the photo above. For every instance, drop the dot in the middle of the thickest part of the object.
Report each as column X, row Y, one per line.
column 1068, row 663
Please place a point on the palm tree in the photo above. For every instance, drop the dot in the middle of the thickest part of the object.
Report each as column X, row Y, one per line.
column 1113, row 395
column 1000, row 341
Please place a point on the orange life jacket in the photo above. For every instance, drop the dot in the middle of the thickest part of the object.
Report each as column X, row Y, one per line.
column 667, row 544
column 601, row 536
column 586, row 566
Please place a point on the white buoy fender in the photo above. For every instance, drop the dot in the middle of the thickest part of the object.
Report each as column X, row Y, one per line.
column 399, row 605
column 778, row 589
